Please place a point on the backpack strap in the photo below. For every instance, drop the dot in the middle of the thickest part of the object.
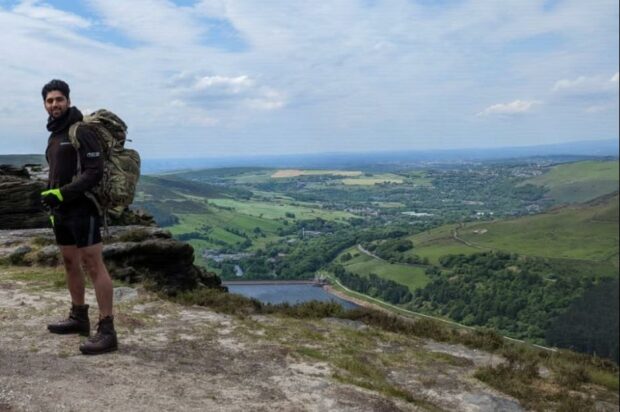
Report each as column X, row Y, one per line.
column 76, row 145
column 73, row 134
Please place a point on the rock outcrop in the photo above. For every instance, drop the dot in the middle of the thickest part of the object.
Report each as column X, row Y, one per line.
column 133, row 254
column 20, row 201
column 147, row 254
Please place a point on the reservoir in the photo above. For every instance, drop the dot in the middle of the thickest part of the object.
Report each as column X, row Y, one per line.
column 285, row 292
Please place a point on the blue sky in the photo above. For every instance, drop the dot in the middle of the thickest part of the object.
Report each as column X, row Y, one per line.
column 240, row 77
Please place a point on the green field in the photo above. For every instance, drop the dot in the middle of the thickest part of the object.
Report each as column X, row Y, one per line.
column 388, row 205
column 580, row 181
column 275, row 211
column 373, row 180
column 253, row 177
column 216, row 221
column 271, row 196
column 439, row 242
column 363, row 265
column 419, row 178
column 586, row 232
column 288, row 173
column 199, row 245
column 224, row 215
column 219, row 220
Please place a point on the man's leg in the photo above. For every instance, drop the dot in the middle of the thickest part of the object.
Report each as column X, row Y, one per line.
column 78, row 321
column 93, row 263
column 105, row 338
column 73, row 273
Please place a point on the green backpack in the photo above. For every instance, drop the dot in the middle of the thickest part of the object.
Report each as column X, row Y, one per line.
column 121, row 166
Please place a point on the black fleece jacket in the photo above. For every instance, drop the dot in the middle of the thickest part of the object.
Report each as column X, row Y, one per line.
column 62, row 159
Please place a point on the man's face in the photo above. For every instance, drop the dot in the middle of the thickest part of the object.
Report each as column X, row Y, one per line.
column 56, row 104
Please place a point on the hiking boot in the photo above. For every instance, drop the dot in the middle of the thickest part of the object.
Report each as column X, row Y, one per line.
column 103, row 341
column 77, row 322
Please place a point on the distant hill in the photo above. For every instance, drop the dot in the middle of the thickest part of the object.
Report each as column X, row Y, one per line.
column 22, row 159
column 570, row 151
column 580, row 181
column 586, row 234
column 169, row 187
column 202, row 174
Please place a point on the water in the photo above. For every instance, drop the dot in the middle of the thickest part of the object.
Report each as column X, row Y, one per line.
column 272, row 293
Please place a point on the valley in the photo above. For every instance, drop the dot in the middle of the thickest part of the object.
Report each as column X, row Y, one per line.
column 396, row 233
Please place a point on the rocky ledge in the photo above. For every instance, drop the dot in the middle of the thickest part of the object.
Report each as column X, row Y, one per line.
column 135, row 254
column 189, row 358
column 20, row 200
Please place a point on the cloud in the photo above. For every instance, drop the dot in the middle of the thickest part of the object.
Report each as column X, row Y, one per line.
column 268, row 99
column 599, row 108
column 584, row 85
column 223, row 84
column 218, row 92
column 591, row 94
column 515, row 107
column 35, row 9
column 157, row 22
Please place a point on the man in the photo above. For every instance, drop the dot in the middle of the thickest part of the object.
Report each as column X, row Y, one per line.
column 75, row 218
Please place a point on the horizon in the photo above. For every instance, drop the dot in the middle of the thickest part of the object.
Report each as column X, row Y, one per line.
column 611, row 142
column 228, row 77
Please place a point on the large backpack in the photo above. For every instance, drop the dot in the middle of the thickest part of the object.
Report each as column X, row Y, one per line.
column 121, row 166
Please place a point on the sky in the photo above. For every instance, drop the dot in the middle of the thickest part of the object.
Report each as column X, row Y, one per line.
column 240, row 77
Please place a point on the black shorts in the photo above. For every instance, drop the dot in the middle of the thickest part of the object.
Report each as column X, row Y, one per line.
column 78, row 230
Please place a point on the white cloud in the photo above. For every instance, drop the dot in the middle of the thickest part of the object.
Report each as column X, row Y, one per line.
column 268, row 99
column 157, row 22
column 515, row 107
column 587, row 85
column 218, row 93
column 232, row 85
column 35, row 9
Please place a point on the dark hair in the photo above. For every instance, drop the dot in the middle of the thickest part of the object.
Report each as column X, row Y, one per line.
column 56, row 84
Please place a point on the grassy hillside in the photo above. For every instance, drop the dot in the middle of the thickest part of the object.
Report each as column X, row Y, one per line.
column 439, row 242
column 373, row 179
column 280, row 209
column 227, row 222
column 170, row 187
column 216, row 226
column 361, row 264
column 587, row 232
column 579, row 182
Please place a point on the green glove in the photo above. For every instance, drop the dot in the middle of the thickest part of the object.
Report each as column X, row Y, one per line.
column 51, row 198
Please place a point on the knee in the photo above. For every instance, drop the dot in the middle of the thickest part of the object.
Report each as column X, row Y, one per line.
column 94, row 266
column 90, row 265
column 70, row 262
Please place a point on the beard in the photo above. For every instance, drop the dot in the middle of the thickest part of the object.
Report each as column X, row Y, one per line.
column 57, row 113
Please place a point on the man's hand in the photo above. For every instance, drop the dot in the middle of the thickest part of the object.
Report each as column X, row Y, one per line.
column 51, row 198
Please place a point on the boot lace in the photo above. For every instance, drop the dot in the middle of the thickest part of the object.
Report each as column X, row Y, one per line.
column 97, row 336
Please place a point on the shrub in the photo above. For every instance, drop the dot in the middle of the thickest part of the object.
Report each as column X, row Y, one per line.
column 306, row 310
column 230, row 303
column 134, row 235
